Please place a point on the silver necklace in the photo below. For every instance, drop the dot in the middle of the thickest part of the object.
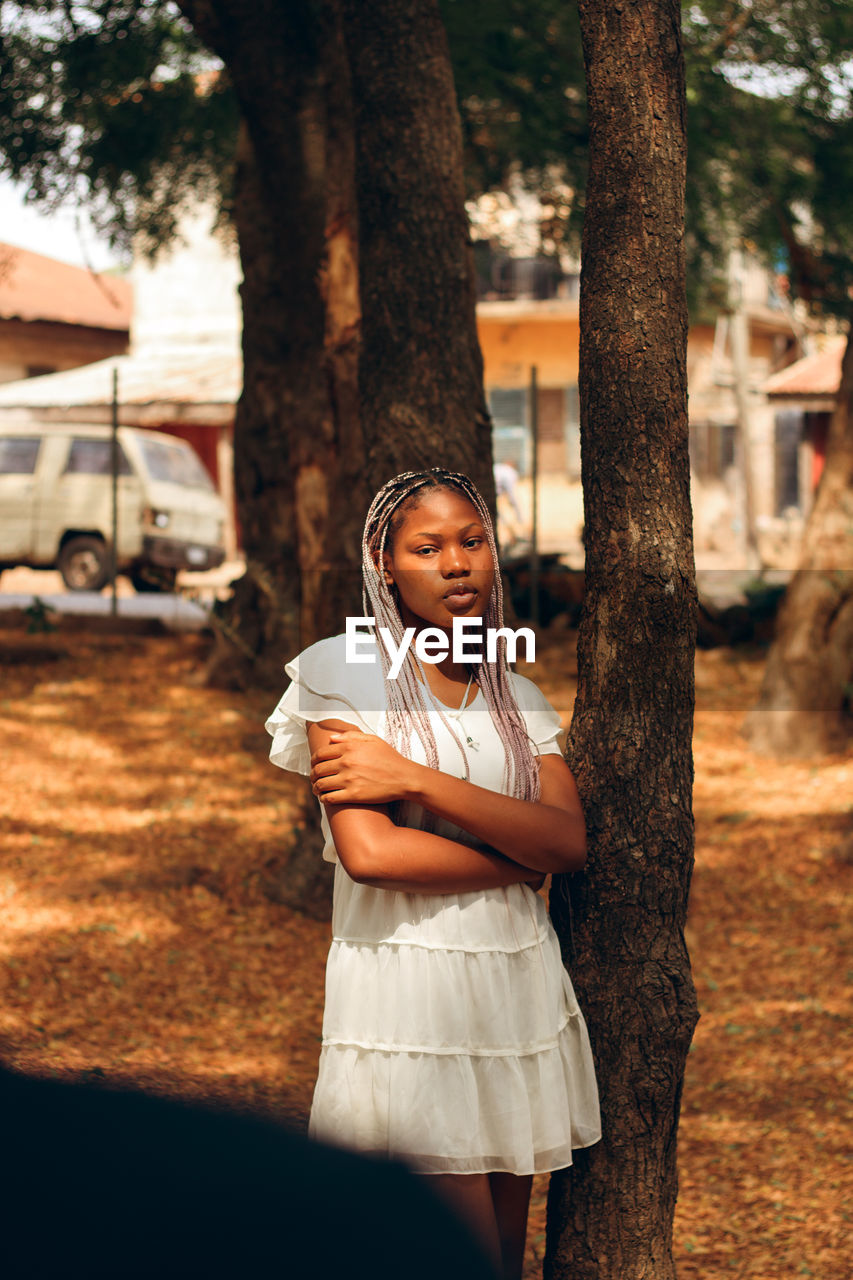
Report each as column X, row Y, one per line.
column 456, row 713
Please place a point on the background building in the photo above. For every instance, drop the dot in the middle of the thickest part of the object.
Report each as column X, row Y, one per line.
column 54, row 316
column 182, row 374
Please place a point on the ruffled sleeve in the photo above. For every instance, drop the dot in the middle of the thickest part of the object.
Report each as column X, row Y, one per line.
column 542, row 721
column 324, row 686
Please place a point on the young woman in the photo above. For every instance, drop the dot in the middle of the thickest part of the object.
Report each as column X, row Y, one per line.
column 451, row 1035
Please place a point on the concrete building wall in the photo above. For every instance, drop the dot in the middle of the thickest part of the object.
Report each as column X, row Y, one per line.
column 188, row 296
column 32, row 347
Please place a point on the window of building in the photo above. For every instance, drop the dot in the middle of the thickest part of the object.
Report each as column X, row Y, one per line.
column 510, row 430
column 559, row 429
column 789, row 433
column 712, row 449
column 18, row 455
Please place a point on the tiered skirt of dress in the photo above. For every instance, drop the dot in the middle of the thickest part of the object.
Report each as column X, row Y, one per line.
column 451, row 1036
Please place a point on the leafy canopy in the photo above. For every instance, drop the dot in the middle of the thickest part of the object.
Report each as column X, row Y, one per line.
column 116, row 104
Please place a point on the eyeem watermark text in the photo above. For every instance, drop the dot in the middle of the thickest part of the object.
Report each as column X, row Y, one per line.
column 433, row 645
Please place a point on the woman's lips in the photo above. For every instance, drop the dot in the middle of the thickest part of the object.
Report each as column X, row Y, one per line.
column 460, row 597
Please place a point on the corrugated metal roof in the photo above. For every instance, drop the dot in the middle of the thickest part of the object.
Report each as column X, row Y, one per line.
column 814, row 375
column 34, row 287
column 180, row 377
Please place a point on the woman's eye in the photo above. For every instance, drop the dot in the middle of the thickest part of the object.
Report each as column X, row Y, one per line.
column 474, row 542
column 424, row 551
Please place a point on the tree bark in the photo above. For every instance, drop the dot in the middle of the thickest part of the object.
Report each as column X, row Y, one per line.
column 420, row 372
column 300, row 483
column 804, row 707
column 298, row 450
column 610, row 1216
column 334, row 404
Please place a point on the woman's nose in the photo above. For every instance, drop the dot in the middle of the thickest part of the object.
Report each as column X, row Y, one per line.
column 454, row 561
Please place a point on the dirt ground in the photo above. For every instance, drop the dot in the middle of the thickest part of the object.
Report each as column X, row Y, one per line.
column 139, row 820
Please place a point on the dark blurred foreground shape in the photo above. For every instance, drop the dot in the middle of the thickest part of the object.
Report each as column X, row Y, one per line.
column 106, row 1184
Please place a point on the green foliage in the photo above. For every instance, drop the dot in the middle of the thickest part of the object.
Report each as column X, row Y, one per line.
column 113, row 104
column 39, row 618
column 770, row 140
column 519, row 75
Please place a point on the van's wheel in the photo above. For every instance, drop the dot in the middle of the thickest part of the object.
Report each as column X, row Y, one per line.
column 149, row 577
column 84, row 563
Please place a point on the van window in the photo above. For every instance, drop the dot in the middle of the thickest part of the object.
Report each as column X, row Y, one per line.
column 95, row 458
column 175, row 462
column 18, row 455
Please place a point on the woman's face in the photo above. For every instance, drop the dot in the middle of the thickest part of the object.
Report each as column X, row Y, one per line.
column 440, row 561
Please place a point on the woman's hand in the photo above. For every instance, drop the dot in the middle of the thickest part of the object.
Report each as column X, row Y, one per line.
column 359, row 768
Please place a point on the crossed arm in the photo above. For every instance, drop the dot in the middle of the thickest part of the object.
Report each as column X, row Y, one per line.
column 357, row 776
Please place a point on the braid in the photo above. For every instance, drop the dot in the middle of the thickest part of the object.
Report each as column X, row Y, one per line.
column 407, row 707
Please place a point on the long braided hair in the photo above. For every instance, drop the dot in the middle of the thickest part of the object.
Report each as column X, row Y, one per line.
column 407, row 707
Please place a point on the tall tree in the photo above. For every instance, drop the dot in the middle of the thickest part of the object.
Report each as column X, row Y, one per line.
column 420, row 371
column 805, row 706
column 349, row 146
column 75, row 79
column 360, row 343
column 299, row 478
column 771, row 123
column 610, row 1216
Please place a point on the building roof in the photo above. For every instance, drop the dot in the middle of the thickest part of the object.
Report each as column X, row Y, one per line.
column 34, row 287
column 815, row 375
column 153, row 385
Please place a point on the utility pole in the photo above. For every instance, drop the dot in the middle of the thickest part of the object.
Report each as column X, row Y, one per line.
column 739, row 340
column 114, row 459
column 533, row 395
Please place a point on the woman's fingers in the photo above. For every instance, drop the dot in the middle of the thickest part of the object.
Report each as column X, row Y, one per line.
column 324, row 768
column 326, row 753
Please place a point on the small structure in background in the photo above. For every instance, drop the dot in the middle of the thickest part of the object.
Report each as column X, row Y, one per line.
column 183, row 375
column 803, row 399
column 54, row 316
column 183, row 371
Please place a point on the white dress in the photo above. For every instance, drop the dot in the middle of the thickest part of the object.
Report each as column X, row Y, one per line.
column 452, row 1038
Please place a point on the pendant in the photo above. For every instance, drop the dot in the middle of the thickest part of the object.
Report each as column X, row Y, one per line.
column 475, row 746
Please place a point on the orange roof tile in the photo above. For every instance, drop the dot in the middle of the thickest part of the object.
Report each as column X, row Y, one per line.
column 815, row 375
column 34, row 287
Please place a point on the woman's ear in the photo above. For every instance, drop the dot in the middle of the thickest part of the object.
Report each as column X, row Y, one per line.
column 386, row 567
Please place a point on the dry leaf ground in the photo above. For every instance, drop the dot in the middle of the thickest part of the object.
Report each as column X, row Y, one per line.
column 139, row 816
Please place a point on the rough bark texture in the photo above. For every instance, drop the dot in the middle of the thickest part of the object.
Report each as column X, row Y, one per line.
column 299, row 480
column 332, row 406
column 805, row 703
column 630, row 742
column 300, row 484
column 420, row 374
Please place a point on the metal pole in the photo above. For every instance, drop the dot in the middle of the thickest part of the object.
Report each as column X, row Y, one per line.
column 114, row 546
column 739, row 336
column 534, row 496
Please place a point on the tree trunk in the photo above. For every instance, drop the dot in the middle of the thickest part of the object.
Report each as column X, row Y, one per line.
column 804, row 707
column 299, row 477
column 610, row 1216
column 298, row 451
column 333, row 406
column 421, row 372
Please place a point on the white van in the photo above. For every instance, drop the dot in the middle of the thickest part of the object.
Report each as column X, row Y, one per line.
column 56, row 505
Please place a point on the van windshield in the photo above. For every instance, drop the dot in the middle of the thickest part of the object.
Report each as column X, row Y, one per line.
column 175, row 463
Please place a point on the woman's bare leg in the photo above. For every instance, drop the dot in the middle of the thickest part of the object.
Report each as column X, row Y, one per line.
column 470, row 1196
column 511, row 1200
